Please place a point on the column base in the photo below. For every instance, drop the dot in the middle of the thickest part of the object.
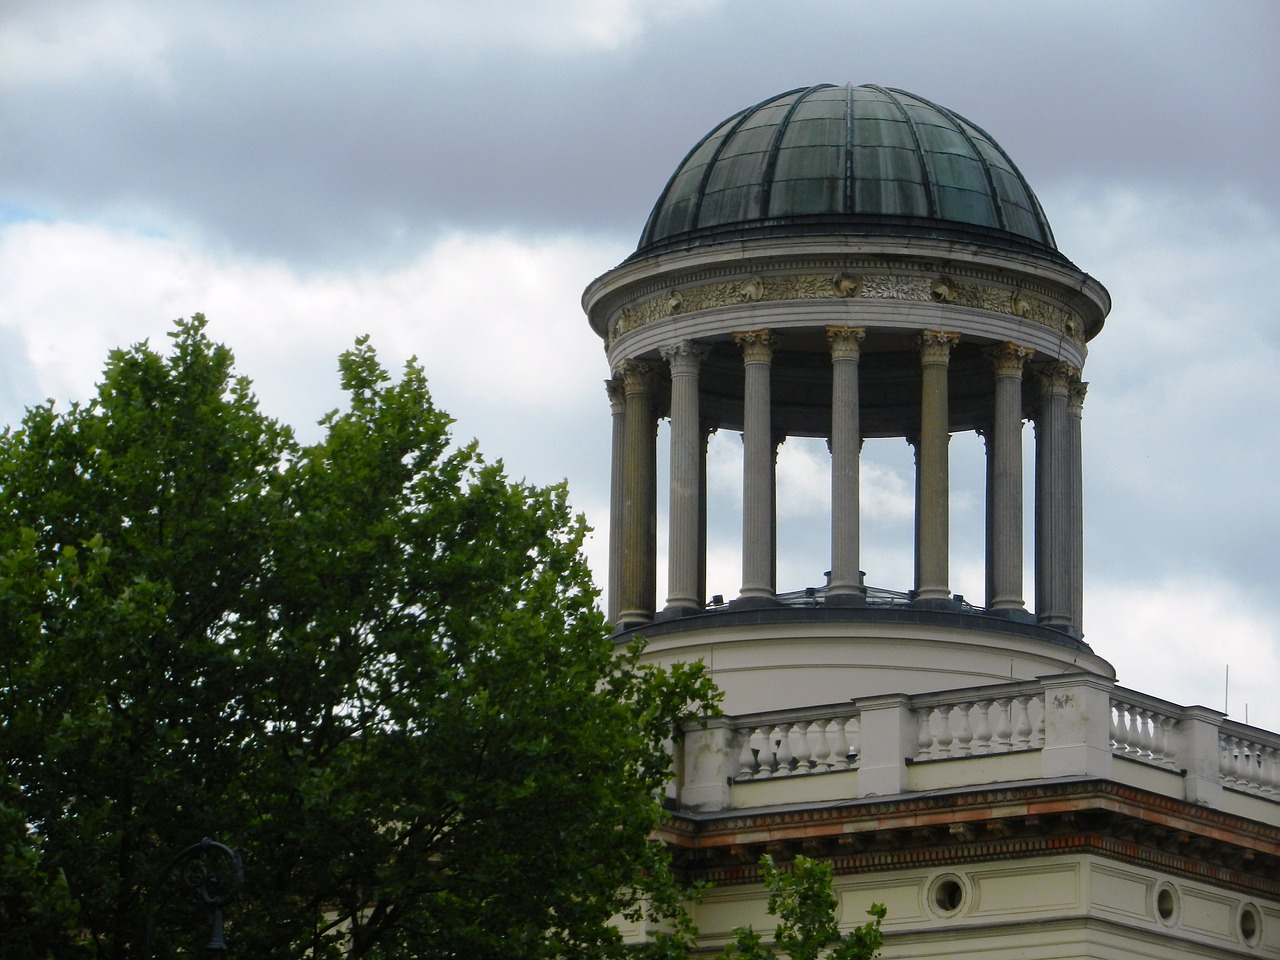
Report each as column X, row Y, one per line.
column 630, row 619
column 674, row 611
column 936, row 603
column 1017, row 614
column 753, row 603
column 847, row 598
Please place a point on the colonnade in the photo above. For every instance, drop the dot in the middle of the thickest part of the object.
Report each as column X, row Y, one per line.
column 1058, row 528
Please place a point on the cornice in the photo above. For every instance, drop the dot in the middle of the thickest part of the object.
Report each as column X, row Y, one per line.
column 1111, row 820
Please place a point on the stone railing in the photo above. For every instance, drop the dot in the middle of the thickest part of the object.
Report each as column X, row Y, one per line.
column 1074, row 725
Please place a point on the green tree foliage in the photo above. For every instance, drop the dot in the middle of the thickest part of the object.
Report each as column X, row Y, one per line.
column 374, row 662
column 802, row 900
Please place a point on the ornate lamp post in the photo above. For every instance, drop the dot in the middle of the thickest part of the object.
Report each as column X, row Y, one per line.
column 198, row 871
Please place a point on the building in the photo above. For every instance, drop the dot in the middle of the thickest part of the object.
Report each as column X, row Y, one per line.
column 854, row 262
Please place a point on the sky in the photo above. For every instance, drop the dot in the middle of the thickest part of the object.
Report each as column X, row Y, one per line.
column 448, row 176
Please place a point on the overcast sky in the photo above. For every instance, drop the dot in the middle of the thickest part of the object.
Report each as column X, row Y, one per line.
column 448, row 176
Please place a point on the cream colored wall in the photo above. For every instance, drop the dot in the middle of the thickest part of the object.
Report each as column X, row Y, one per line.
column 1079, row 906
column 789, row 665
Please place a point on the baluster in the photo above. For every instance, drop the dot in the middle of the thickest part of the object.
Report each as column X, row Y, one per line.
column 799, row 739
column 854, row 729
column 1037, row 742
column 1244, row 764
column 924, row 733
column 764, row 747
column 944, row 738
column 839, row 744
column 1117, row 733
column 1004, row 726
column 1162, row 735
column 1226, row 761
column 748, row 759
column 964, row 734
column 819, row 748
column 982, row 727
column 781, row 740
column 1022, row 725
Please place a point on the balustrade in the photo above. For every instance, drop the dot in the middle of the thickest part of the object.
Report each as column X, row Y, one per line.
column 1004, row 719
column 796, row 748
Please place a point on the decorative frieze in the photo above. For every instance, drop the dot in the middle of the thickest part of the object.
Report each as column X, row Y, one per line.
column 848, row 285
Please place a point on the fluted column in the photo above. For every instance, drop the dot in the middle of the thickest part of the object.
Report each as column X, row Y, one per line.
column 846, row 442
column 757, row 466
column 932, row 468
column 640, row 502
column 617, row 405
column 1075, row 500
column 1053, row 537
column 685, row 358
column 1004, row 477
column 704, row 438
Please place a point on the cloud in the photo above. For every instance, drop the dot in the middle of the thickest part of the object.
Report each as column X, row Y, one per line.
column 1176, row 639
column 495, row 321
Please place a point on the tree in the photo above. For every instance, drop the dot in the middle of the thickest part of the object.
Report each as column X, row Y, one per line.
column 374, row 662
column 805, row 905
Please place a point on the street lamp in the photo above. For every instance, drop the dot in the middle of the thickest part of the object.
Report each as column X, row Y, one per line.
column 199, row 872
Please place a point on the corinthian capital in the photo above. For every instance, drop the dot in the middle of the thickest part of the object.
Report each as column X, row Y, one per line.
column 846, row 342
column 617, row 400
column 684, row 357
column 935, row 345
column 757, row 345
column 1056, row 378
column 1075, row 397
column 636, row 375
column 1008, row 359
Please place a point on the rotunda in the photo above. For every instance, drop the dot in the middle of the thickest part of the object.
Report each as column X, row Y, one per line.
column 854, row 262
column 848, row 262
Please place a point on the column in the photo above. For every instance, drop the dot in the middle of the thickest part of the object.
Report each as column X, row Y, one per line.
column 1075, row 503
column 846, row 348
column 932, row 468
column 640, row 501
column 1004, row 480
column 617, row 405
column 757, row 466
column 1052, row 532
column 685, row 358
column 705, row 431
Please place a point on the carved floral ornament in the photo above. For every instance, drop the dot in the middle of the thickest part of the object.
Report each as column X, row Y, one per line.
column 848, row 285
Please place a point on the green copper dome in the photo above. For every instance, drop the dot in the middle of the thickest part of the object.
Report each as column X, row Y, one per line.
column 862, row 160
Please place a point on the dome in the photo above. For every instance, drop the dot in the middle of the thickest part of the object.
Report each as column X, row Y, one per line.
column 860, row 160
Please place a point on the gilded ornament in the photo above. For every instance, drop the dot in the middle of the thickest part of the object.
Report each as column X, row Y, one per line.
column 846, row 285
column 892, row 287
column 751, row 290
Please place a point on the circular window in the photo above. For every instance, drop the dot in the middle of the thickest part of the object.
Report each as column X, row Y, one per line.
column 1250, row 925
column 1167, row 903
column 947, row 895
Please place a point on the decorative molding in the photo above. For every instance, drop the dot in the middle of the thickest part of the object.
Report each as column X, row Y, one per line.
column 944, row 289
column 896, row 287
